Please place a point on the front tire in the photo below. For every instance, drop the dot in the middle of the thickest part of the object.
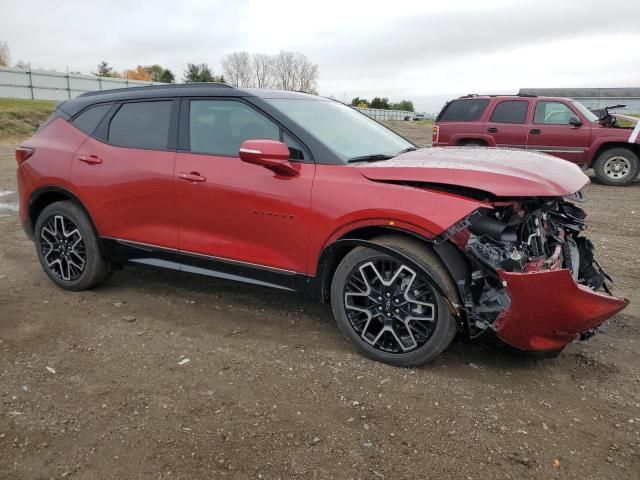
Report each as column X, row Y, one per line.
column 391, row 312
column 617, row 167
column 68, row 248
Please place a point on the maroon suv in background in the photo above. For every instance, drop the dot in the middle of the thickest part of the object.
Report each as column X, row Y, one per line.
column 559, row 126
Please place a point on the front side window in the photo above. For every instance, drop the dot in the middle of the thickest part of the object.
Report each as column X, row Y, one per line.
column 588, row 114
column 510, row 111
column 218, row 127
column 141, row 125
column 343, row 130
column 552, row 113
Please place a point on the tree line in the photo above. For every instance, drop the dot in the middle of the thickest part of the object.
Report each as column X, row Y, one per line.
column 383, row 104
column 283, row 71
column 149, row 73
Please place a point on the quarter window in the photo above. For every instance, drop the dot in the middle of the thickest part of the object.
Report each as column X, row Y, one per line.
column 465, row 110
column 510, row 111
column 141, row 125
column 553, row 113
column 88, row 120
column 219, row 127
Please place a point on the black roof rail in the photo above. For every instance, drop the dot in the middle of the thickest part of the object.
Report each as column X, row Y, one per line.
column 158, row 87
column 471, row 95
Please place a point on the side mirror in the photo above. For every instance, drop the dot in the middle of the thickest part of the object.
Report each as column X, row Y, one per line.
column 575, row 121
column 270, row 154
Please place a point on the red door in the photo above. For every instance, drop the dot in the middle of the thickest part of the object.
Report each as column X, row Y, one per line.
column 507, row 124
column 550, row 132
column 128, row 189
column 234, row 210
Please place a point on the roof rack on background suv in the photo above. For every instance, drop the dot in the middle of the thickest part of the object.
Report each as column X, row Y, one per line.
column 159, row 87
column 472, row 95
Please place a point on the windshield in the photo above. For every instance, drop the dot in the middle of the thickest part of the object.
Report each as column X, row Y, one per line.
column 588, row 114
column 345, row 131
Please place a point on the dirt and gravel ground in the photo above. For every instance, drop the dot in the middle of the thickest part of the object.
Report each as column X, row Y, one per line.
column 158, row 374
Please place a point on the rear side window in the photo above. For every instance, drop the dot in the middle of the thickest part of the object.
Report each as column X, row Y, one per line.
column 89, row 119
column 463, row 110
column 141, row 125
column 218, row 127
column 510, row 111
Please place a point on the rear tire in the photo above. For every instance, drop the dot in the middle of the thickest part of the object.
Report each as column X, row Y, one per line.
column 473, row 143
column 68, row 248
column 409, row 323
column 617, row 166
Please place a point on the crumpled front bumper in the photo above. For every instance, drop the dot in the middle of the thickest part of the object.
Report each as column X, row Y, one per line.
column 549, row 309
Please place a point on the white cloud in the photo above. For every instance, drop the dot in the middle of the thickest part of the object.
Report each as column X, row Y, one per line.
column 421, row 50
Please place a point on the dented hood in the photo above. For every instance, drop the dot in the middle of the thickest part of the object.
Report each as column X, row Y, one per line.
column 502, row 172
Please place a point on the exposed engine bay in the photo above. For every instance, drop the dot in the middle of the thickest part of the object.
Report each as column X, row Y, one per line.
column 529, row 235
column 608, row 119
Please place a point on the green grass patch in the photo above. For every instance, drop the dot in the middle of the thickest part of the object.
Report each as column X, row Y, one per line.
column 20, row 118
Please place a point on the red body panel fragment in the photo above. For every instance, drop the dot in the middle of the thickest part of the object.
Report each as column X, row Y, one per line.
column 549, row 310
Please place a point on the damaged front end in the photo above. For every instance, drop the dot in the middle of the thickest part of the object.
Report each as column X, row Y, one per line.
column 534, row 280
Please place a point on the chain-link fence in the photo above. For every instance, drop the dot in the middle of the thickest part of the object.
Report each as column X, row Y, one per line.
column 50, row 85
column 380, row 114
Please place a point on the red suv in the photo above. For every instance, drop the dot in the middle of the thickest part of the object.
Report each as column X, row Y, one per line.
column 305, row 194
column 558, row 126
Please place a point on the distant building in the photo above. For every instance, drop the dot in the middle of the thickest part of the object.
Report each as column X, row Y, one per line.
column 594, row 98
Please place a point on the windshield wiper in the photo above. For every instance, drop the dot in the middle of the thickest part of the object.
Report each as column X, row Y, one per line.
column 376, row 157
column 370, row 158
column 408, row 149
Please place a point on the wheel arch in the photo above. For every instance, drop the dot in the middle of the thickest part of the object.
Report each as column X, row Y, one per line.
column 45, row 196
column 472, row 141
column 454, row 261
column 460, row 139
column 634, row 147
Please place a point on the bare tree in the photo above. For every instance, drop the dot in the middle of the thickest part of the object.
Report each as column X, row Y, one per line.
column 307, row 74
column 237, row 69
column 262, row 70
column 284, row 71
column 294, row 71
column 5, row 57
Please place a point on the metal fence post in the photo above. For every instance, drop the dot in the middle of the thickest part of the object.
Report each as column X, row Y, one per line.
column 68, row 84
column 30, row 82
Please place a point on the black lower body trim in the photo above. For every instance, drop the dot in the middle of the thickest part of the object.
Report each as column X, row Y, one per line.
column 141, row 254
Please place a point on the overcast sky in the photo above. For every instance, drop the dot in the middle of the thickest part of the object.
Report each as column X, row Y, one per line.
column 422, row 50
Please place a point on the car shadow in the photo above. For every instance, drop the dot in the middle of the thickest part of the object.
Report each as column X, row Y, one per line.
column 256, row 303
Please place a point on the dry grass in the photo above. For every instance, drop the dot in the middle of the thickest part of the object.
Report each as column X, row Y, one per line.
column 19, row 118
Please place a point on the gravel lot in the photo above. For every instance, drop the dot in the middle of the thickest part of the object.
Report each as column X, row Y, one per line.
column 159, row 374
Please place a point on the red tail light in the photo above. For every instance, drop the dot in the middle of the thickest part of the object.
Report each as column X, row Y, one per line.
column 22, row 153
column 435, row 133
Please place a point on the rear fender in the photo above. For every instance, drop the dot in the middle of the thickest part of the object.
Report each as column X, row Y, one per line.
column 457, row 138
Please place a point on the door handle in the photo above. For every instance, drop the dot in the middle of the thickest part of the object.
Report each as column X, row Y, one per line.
column 90, row 159
column 535, row 131
column 492, row 130
column 191, row 177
